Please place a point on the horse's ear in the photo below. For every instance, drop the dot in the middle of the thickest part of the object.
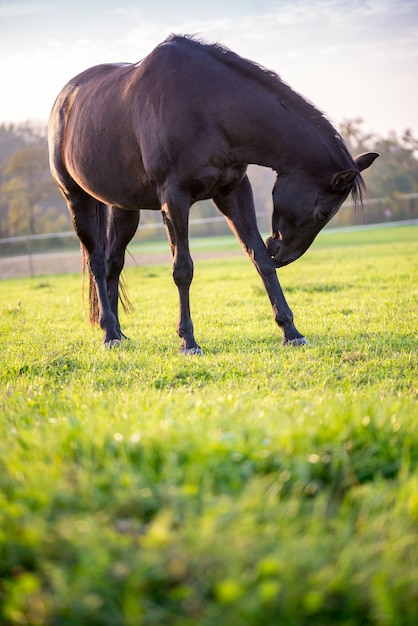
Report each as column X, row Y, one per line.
column 343, row 179
column 363, row 161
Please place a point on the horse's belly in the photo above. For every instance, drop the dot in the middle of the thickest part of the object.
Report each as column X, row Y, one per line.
column 113, row 181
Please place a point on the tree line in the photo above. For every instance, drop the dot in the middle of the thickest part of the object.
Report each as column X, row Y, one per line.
column 30, row 203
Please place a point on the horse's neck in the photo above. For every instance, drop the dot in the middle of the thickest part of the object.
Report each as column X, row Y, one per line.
column 272, row 135
column 262, row 141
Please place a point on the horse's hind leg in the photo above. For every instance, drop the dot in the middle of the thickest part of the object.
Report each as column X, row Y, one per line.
column 122, row 226
column 89, row 221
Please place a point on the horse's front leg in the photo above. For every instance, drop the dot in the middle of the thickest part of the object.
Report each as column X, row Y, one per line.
column 122, row 226
column 238, row 207
column 175, row 209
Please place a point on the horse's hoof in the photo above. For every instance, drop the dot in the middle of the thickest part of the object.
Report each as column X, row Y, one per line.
column 112, row 343
column 299, row 341
column 191, row 351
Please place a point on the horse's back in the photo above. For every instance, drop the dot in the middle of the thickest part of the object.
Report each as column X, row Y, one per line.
column 121, row 130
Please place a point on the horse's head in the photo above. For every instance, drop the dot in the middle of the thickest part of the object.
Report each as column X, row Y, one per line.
column 302, row 207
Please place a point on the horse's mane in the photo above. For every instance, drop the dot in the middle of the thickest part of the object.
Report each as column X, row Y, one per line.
column 289, row 98
column 263, row 76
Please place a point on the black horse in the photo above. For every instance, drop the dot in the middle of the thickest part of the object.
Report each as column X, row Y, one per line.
column 180, row 126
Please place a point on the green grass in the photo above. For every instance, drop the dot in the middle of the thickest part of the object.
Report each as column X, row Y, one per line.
column 257, row 485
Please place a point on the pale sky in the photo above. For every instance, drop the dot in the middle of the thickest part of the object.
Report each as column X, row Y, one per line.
column 351, row 58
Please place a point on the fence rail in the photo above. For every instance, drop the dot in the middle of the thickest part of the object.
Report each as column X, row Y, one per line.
column 155, row 225
column 53, row 253
column 144, row 226
column 62, row 262
column 194, row 221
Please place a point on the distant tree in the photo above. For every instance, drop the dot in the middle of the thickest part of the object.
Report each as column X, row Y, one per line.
column 396, row 171
column 30, row 202
column 14, row 209
column 13, row 137
column 10, row 142
column 28, row 185
column 394, row 174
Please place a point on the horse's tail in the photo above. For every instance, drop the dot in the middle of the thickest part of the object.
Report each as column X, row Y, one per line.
column 123, row 293
column 102, row 230
column 105, row 223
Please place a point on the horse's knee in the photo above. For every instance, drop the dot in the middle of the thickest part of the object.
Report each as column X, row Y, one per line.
column 266, row 270
column 97, row 265
column 183, row 273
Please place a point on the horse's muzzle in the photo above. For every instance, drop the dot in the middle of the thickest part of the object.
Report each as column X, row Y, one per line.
column 279, row 252
column 274, row 246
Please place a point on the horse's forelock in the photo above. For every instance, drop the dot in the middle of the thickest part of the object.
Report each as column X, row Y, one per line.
column 358, row 192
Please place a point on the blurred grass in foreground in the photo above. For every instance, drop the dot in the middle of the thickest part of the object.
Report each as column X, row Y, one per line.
column 257, row 485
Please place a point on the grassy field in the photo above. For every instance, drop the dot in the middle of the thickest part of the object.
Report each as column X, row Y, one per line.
column 257, row 485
